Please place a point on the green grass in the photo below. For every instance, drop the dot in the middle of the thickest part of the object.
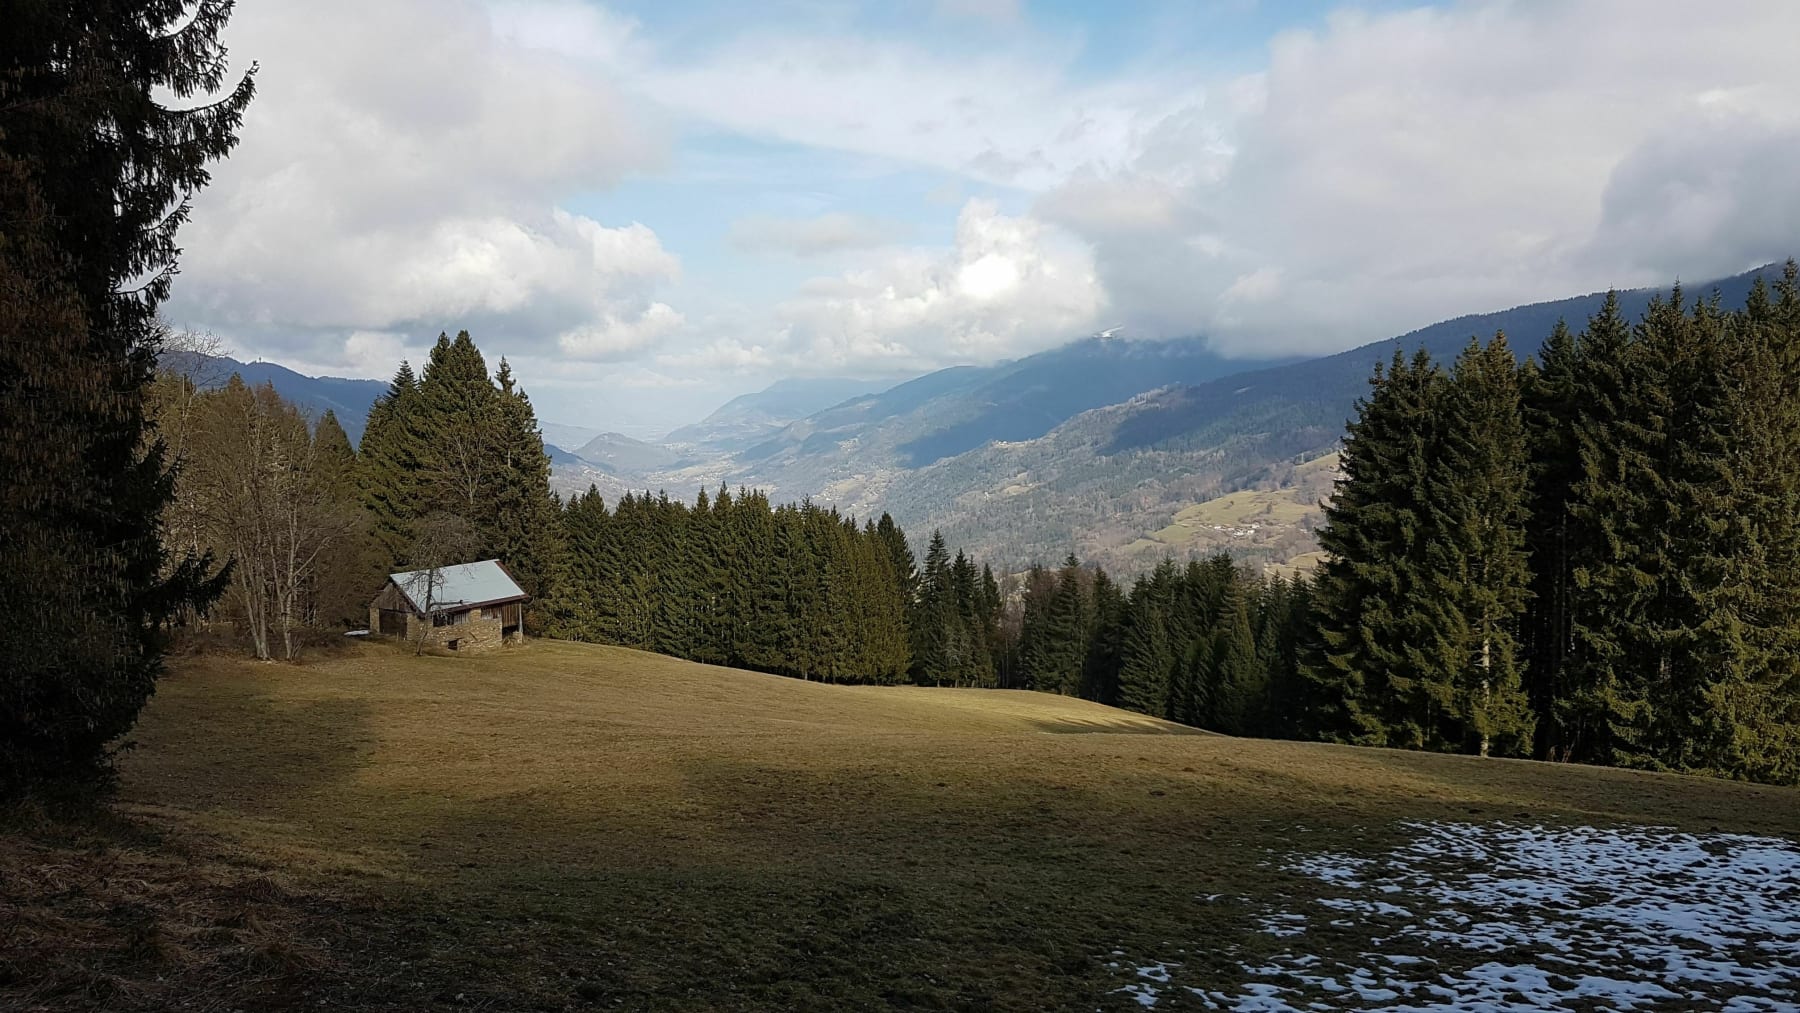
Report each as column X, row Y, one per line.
column 566, row 826
column 1272, row 525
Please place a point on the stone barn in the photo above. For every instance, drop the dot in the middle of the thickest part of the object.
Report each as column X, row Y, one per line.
column 465, row 607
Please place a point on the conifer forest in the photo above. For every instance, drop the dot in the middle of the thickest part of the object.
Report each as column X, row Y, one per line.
column 1591, row 553
column 1588, row 555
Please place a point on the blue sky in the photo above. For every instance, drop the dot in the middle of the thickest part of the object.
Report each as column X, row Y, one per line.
column 651, row 207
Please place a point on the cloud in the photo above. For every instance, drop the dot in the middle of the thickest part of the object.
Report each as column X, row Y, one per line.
column 807, row 237
column 1375, row 172
column 615, row 337
column 1008, row 286
column 1722, row 184
column 1385, row 171
column 1008, row 114
column 405, row 177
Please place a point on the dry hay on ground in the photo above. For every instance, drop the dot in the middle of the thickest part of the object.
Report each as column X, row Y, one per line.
column 565, row 826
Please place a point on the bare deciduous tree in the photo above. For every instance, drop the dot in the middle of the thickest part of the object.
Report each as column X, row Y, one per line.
column 442, row 539
column 254, row 480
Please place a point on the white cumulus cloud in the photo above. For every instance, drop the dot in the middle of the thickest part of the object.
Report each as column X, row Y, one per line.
column 1009, row 285
column 1388, row 170
column 400, row 172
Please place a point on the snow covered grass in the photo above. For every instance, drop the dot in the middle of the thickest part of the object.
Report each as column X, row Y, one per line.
column 1511, row 917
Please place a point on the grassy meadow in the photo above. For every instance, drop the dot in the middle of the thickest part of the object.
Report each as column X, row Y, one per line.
column 568, row 826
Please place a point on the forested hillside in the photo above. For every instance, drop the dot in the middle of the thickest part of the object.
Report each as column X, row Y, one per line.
column 349, row 400
column 1093, row 447
column 1102, row 479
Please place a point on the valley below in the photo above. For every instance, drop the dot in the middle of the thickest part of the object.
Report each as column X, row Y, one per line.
column 1122, row 452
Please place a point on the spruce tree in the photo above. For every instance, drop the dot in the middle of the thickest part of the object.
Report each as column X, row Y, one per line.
column 1756, row 694
column 520, row 511
column 1237, row 676
column 1658, row 489
column 1147, row 659
column 1552, row 409
column 350, row 574
column 1063, row 650
column 1368, row 681
column 1475, row 557
column 458, row 423
column 587, row 574
column 934, row 630
column 388, row 470
column 95, row 176
column 1586, row 695
column 1100, row 671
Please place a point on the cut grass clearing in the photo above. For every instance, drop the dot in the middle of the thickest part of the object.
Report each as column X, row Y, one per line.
column 1268, row 525
column 567, row 826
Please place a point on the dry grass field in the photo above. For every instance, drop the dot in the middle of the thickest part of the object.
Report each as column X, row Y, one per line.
column 567, row 826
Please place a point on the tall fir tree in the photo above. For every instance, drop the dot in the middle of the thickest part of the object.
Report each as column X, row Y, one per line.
column 96, row 172
column 388, row 470
column 1552, row 410
column 1475, row 558
column 1369, row 681
column 1586, row 695
column 1235, row 675
column 520, row 511
column 934, row 626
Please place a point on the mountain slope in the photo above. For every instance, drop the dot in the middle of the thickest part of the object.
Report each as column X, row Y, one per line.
column 851, row 452
column 348, row 399
column 1099, row 481
column 620, row 454
column 748, row 418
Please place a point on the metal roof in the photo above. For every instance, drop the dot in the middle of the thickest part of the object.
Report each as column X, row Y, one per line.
column 458, row 586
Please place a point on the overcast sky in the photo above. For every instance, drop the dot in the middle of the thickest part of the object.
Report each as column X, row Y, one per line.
column 650, row 207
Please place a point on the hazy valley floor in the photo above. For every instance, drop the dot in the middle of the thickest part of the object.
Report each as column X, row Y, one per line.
column 565, row 826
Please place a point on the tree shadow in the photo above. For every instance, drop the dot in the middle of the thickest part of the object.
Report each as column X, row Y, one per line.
column 232, row 745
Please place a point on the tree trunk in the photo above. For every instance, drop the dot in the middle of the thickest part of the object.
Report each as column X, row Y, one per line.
column 1487, row 668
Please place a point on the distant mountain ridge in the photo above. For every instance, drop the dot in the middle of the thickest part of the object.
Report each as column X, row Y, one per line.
column 1103, row 479
column 750, row 417
column 346, row 398
column 850, row 452
column 1097, row 446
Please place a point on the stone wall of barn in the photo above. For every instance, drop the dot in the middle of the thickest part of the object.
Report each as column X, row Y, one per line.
column 480, row 630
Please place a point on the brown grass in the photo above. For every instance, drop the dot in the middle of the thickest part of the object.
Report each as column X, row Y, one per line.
column 568, row 826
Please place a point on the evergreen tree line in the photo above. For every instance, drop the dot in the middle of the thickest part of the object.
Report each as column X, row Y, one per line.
column 1593, row 556
column 452, row 468
column 1211, row 643
column 731, row 580
column 1590, row 556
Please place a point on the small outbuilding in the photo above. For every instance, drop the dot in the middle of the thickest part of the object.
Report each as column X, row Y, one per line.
column 464, row 607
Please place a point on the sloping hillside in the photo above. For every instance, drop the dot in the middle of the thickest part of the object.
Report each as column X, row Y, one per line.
column 561, row 826
column 851, row 453
column 1099, row 481
column 348, row 399
column 751, row 418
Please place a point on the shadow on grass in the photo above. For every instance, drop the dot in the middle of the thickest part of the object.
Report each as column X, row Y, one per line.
column 239, row 745
column 1519, row 789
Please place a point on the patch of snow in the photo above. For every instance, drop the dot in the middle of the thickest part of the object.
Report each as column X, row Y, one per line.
column 1515, row 918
